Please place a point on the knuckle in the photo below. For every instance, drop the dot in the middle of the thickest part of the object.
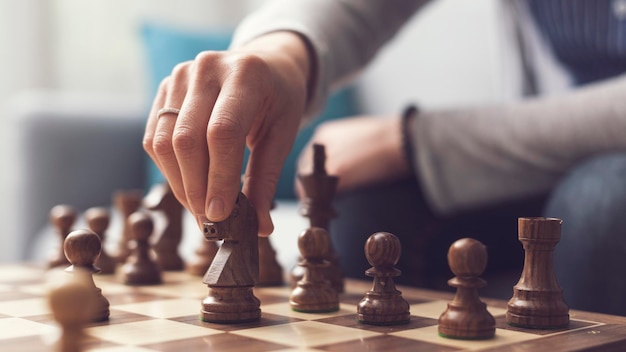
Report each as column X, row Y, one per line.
column 250, row 63
column 184, row 140
column 162, row 145
column 206, row 61
column 147, row 143
column 245, row 67
column 208, row 57
column 224, row 127
column 180, row 68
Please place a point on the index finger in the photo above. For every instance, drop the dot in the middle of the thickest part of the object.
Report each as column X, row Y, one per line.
column 240, row 102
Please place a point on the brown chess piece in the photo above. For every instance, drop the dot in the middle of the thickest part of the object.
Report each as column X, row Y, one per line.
column 317, row 204
column 537, row 300
column 98, row 220
column 62, row 218
column 383, row 304
column 270, row 271
column 72, row 304
column 125, row 202
column 140, row 267
column 202, row 258
column 235, row 269
column 161, row 200
column 314, row 293
column 82, row 248
column 467, row 316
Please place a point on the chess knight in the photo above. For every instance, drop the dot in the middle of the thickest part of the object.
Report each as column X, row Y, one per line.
column 235, row 269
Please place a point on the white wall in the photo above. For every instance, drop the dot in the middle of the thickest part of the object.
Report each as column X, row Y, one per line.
column 93, row 45
column 446, row 55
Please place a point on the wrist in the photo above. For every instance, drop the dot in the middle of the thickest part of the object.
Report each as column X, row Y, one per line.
column 409, row 115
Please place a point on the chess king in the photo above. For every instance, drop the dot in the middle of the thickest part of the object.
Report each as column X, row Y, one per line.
column 235, row 269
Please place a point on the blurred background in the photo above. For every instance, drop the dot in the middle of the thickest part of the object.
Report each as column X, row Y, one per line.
column 77, row 79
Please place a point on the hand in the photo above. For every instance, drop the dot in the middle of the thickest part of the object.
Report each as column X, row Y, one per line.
column 361, row 151
column 252, row 96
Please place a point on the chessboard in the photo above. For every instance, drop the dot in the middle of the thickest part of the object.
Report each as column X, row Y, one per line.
column 165, row 317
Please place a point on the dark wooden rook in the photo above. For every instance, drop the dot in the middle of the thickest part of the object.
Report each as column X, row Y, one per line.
column 537, row 300
column 466, row 316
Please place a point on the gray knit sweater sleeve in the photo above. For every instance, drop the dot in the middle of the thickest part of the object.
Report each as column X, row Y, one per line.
column 469, row 157
column 344, row 34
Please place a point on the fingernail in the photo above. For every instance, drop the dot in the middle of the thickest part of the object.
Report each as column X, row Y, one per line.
column 216, row 209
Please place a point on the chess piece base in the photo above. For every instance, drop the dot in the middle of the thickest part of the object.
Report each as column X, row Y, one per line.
column 308, row 298
column 467, row 323
column 537, row 309
column 226, row 305
column 146, row 275
column 383, row 309
column 101, row 310
column 332, row 274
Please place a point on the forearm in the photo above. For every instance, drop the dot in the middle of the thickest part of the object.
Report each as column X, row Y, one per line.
column 470, row 157
column 343, row 34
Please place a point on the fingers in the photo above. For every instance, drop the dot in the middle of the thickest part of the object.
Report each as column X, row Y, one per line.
column 189, row 136
column 239, row 105
column 260, row 183
column 224, row 103
column 156, row 141
column 172, row 94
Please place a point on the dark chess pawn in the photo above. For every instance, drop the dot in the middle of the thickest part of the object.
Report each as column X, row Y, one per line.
column 72, row 304
column 82, row 248
column 62, row 217
column 383, row 304
column 314, row 293
column 140, row 267
column 98, row 220
column 467, row 316
column 125, row 203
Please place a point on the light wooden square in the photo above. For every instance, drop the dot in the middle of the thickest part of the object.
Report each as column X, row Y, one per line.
column 431, row 334
column 164, row 308
column 149, row 331
column 306, row 334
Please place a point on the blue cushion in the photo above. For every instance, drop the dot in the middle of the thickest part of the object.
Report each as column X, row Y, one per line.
column 167, row 46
